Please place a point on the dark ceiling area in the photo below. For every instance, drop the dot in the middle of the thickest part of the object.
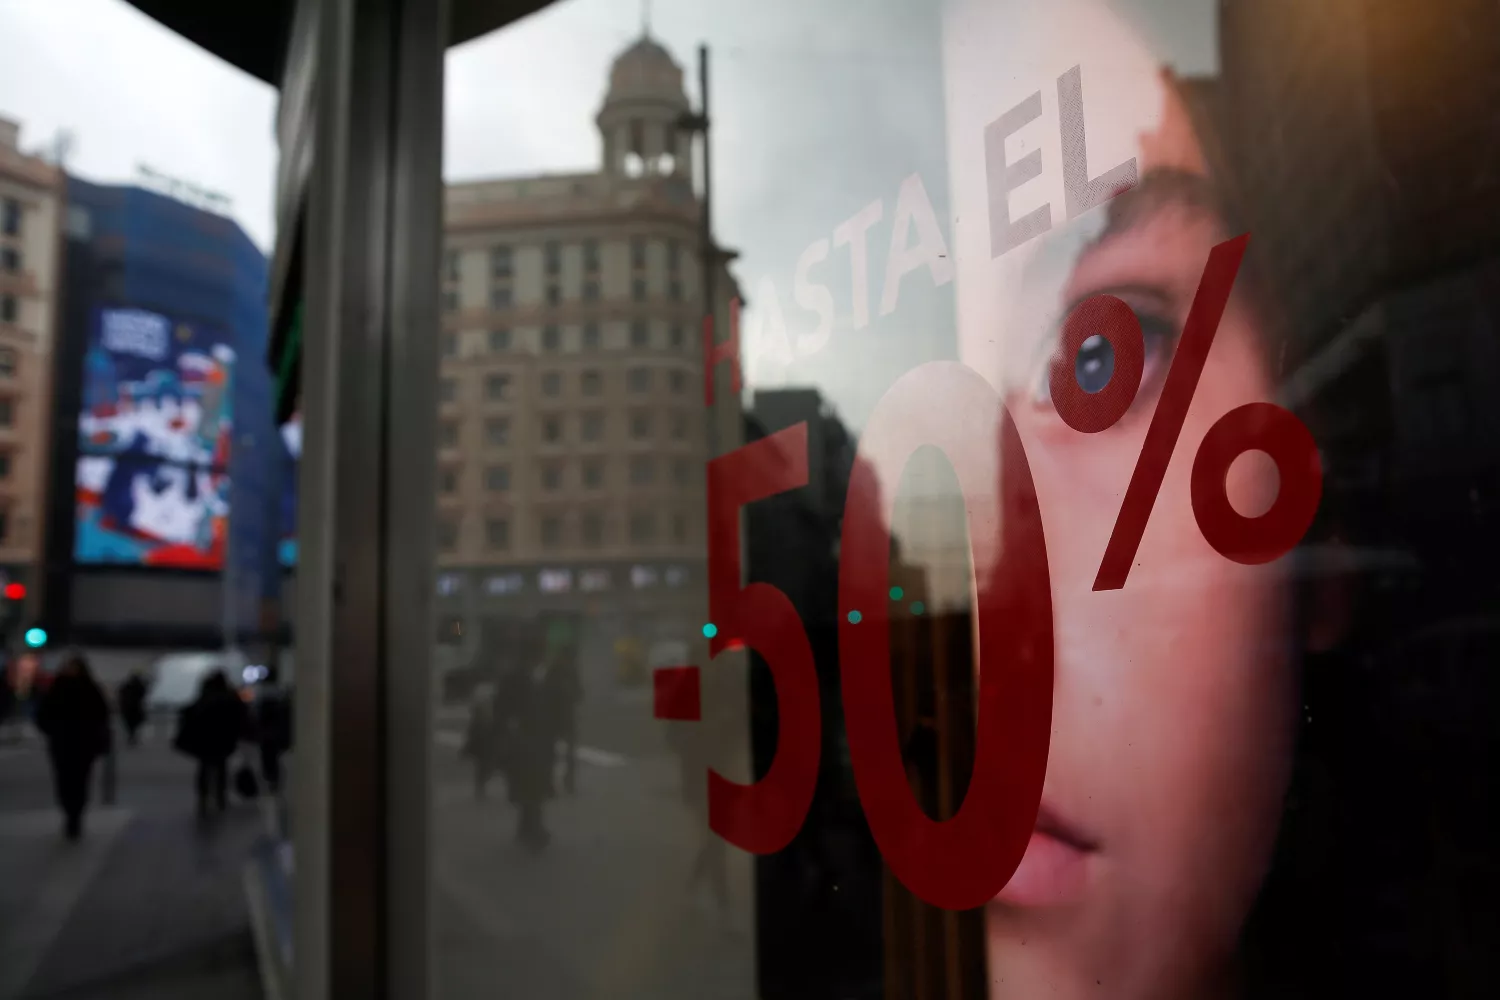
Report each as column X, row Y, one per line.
column 248, row 35
column 251, row 34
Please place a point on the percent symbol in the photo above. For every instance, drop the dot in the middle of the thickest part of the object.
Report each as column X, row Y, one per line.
column 1253, row 427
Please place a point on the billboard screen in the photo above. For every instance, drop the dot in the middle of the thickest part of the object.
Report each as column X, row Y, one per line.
column 291, row 441
column 154, row 433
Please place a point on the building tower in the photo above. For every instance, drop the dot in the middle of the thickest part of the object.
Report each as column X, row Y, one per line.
column 572, row 431
column 640, row 116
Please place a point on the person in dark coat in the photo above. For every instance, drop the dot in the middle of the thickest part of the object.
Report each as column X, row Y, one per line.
column 703, row 746
column 481, row 739
column 74, row 716
column 7, row 696
column 132, row 702
column 528, row 706
column 209, row 730
column 273, row 726
column 567, row 693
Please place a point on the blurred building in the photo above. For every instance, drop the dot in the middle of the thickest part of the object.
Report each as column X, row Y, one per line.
column 573, row 434
column 934, row 529
column 30, row 188
column 826, row 932
column 1358, row 134
column 1363, row 133
column 165, row 457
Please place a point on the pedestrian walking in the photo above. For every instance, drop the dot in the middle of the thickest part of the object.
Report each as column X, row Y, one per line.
column 108, row 781
column 273, row 726
column 28, row 682
column 73, row 715
column 7, row 697
column 482, row 738
column 527, row 714
column 566, row 692
column 703, row 746
column 132, row 701
column 210, row 730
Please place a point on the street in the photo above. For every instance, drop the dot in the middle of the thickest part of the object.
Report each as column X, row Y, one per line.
column 606, row 910
column 148, row 904
column 152, row 904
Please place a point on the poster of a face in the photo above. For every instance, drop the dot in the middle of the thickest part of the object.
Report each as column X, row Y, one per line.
column 1205, row 827
column 154, row 433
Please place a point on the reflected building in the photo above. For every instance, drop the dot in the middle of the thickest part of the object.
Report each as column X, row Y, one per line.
column 1358, row 132
column 823, row 905
column 30, row 199
column 1360, row 137
column 572, row 434
column 933, row 528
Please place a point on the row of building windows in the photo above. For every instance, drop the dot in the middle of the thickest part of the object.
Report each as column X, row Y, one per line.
column 502, row 258
column 553, row 428
column 643, row 528
column 499, row 385
column 10, row 260
column 592, row 474
column 10, row 217
column 10, row 309
column 501, row 339
column 502, row 296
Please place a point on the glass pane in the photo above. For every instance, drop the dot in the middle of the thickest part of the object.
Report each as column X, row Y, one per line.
column 1064, row 546
column 146, row 507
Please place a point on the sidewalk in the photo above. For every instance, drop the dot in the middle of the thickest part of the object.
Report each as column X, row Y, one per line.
column 149, row 904
column 605, row 913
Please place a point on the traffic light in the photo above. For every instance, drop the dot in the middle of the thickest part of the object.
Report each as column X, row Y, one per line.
column 15, row 591
column 36, row 638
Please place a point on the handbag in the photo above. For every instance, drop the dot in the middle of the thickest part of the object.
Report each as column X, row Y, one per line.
column 246, row 782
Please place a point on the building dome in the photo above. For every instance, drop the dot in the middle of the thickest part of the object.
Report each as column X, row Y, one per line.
column 646, row 71
column 641, row 121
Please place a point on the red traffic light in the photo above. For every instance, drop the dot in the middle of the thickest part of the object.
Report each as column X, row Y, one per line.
column 15, row 591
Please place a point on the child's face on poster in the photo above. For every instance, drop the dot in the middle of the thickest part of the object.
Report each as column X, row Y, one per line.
column 1175, row 698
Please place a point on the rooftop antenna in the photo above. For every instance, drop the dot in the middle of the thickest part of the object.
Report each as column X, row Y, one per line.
column 645, row 18
column 62, row 147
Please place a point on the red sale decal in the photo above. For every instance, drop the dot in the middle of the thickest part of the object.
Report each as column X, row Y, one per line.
column 764, row 816
column 962, row 862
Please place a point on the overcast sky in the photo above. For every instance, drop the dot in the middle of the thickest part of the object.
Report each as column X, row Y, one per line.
column 817, row 115
column 133, row 93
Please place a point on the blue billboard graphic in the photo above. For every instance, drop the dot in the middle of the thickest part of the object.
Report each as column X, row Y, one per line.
column 291, row 441
column 153, row 442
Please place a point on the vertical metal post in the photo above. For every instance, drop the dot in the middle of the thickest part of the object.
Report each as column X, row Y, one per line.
column 410, row 430
column 707, row 236
column 374, row 228
column 708, row 253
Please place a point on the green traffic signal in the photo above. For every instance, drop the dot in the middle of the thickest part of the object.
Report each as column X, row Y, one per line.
column 36, row 638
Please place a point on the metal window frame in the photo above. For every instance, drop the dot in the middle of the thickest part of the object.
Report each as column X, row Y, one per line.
column 374, row 228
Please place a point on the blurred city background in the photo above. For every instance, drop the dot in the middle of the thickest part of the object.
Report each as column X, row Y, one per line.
column 153, row 230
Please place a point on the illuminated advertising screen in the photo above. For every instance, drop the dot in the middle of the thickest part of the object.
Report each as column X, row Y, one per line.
column 154, row 432
column 291, row 441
